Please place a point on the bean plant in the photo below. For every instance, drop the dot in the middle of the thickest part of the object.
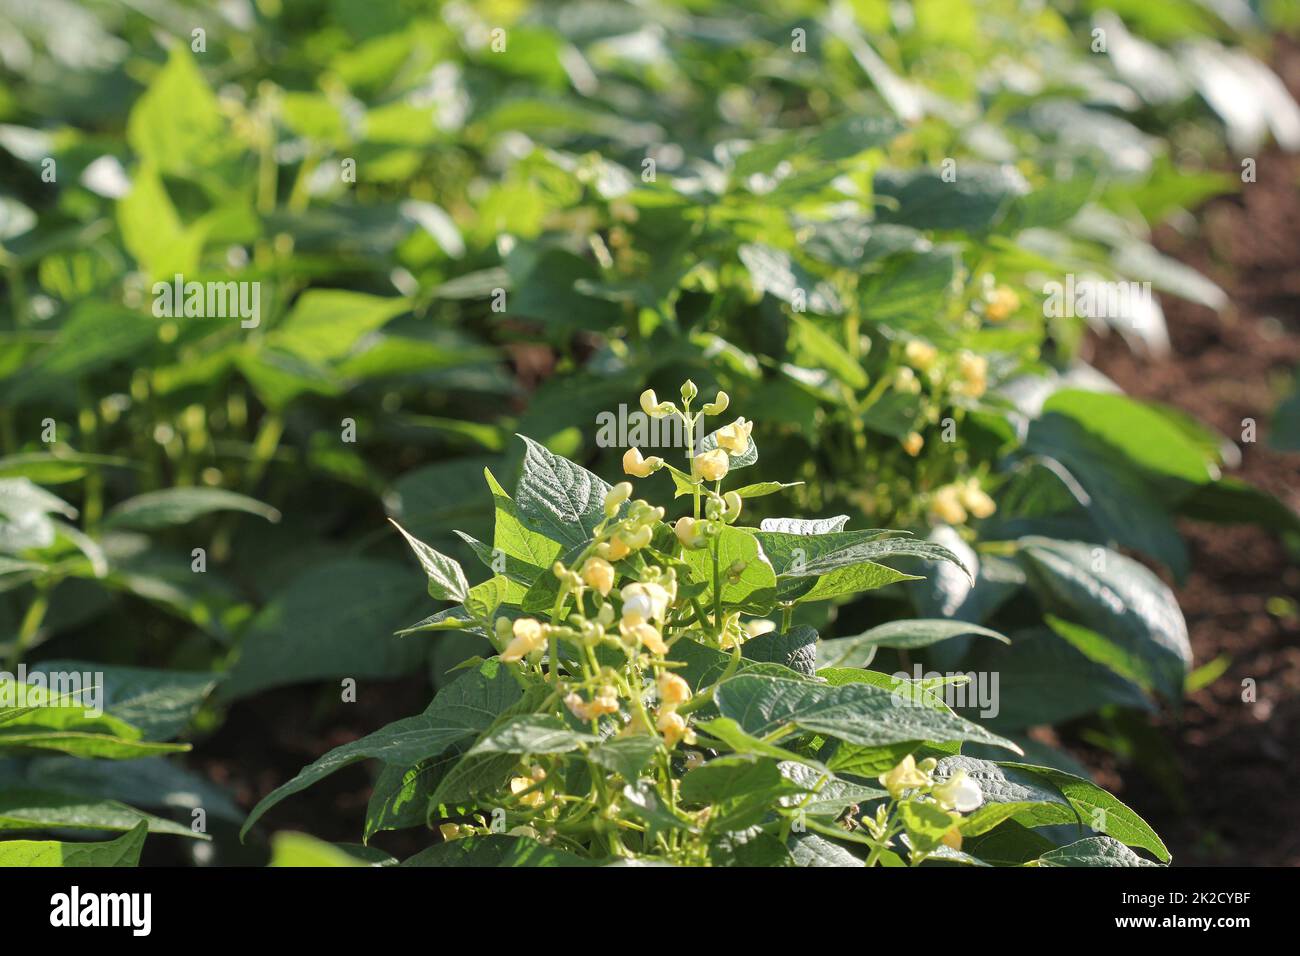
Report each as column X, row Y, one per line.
column 650, row 700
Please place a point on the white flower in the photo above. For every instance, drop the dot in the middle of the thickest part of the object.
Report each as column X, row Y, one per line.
column 959, row 792
column 644, row 602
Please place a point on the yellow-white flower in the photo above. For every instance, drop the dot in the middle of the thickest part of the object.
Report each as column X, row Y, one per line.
column 636, row 631
column 734, row 438
column 975, row 500
column 529, row 635
column 673, row 690
column 688, row 532
column 520, row 784
column 644, row 602
column 617, row 495
column 758, row 627
column 946, row 505
column 718, row 405
column 920, row 354
column 599, row 574
column 1002, row 304
column 951, row 838
column 637, row 466
column 651, row 405
column 959, row 792
column 974, row 374
column 673, row 726
column 711, row 465
column 615, row 549
column 905, row 776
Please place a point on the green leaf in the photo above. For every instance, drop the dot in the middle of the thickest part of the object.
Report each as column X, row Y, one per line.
column 152, row 230
column 175, row 506
column 856, row 713
column 153, row 782
column 626, row 756
column 821, row 350
column 1134, row 619
column 25, row 809
column 925, row 822
column 558, row 499
column 907, row 289
column 333, row 619
column 809, row 849
column 736, row 777
column 795, row 649
column 858, row 651
column 1093, row 851
column 807, row 526
column 301, row 850
column 124, row 851
column 776, row 273
column 177, row 124
column 1045, row 680
column 159, row 703
column 762, row 488
column 747, row 579
column 972, row 201
column 531, row 734
column 326, row 324
column 733, row 736
column 1092, row 806
column 494, row 850
column 464, row 709
column 446, row 577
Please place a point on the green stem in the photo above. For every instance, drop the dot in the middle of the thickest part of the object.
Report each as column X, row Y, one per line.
column 30, row 625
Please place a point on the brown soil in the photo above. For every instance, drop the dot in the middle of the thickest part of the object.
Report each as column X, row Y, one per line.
column 1240, row 776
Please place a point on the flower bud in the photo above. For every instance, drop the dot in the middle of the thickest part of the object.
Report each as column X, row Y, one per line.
column 617, row 495
column 651, row 405
column 599, row 574
column 689, row 391
column 640, row 467
column 615, row 549
column 639, row 538
column 905, row 776
column 718, row 405
column 913, row 443
column 920, row 354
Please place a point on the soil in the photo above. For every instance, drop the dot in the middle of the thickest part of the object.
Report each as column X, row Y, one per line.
column 1240, row 780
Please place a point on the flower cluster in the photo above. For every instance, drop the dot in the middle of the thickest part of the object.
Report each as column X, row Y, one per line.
column 957, row 795
column 956, row 502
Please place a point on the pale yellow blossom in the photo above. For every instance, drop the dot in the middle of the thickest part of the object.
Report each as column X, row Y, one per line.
column 711, row 465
